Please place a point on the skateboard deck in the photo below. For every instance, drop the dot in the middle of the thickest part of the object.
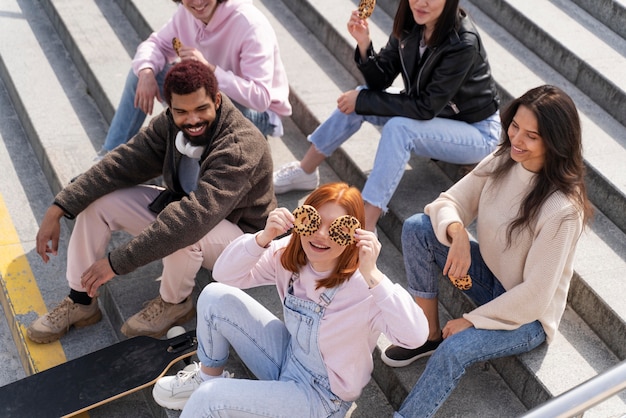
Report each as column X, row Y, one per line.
column 96, row 378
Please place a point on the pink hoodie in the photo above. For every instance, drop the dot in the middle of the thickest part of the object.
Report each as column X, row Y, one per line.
column 353, row 321
column 239, row 41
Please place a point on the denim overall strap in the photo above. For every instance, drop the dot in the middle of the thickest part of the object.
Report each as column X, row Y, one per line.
column 325, row 298
column 303, row 319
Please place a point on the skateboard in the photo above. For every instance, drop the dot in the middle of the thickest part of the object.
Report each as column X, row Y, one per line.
column 96, row 378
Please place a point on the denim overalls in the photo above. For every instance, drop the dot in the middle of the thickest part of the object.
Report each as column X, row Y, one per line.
column 284, row 355
column 302, row 319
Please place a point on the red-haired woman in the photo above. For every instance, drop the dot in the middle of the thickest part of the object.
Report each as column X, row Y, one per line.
column 336, row 302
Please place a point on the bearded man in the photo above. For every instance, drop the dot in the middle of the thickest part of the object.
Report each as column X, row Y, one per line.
column 217, row 171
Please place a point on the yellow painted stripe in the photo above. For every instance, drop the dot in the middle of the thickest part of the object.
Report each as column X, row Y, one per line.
column 21, row 296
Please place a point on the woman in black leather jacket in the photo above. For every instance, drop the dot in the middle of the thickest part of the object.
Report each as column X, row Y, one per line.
column 448, row 109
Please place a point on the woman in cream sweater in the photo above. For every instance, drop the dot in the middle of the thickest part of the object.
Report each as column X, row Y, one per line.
column 529, row 203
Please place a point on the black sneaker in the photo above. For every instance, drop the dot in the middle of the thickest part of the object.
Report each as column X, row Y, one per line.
column 395, row 356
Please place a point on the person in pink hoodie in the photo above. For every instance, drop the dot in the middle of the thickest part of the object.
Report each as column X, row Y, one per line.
column 336, row 303
column 231, row 37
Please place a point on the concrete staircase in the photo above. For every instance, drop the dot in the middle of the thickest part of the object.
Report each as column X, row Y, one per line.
column 63, row 64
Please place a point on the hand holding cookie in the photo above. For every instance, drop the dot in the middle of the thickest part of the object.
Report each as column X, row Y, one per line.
column 366, row 8
column 358, row 28
column 177, row 45
column 279, row 221
column 463, row 282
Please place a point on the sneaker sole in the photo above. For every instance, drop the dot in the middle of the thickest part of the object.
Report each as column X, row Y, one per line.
column 178, row 321
column 93, row 319
column 175, row 405
column 402, row 363
column 291, row 188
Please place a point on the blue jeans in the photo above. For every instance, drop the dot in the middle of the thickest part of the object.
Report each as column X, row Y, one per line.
column 439, row 138
column 293, row 381
column 424, row 258
column 128, row 119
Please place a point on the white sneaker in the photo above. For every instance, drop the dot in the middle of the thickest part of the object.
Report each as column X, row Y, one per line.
column 172, row 392
column 291, row 177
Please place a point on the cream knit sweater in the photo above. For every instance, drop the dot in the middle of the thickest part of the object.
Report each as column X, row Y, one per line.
column 537, row 268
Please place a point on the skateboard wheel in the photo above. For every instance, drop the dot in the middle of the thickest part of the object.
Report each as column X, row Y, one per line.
column 175, row 331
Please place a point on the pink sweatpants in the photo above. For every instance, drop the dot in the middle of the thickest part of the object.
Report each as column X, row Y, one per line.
column 127, row 210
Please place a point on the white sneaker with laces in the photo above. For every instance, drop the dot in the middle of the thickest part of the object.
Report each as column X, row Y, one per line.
column 292, row 177
column 172, row 392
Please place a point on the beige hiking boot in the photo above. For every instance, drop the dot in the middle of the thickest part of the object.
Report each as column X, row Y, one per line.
column 157, row 317
column 55, row 324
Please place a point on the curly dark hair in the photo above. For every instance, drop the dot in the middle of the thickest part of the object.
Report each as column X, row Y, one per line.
column 188, row 76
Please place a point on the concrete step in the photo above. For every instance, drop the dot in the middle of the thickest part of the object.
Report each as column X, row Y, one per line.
column 586, row 65
column 581, row 48
column 55, row 111
column 610, row 12
column 101, row 42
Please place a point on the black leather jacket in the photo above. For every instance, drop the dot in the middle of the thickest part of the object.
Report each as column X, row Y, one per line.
column 452, row 80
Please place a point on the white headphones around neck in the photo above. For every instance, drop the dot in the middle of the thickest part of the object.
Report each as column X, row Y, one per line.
column 187, row 148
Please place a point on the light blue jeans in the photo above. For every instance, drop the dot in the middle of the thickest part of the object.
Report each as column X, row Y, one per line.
column 424, row 258
column 285, row 357
column 439, row 138
column 128, row 119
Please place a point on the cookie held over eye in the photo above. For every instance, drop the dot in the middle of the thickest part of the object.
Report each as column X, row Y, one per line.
column 463, row 283
column 307, row 220
column 177, row 45
column 366, row 8
column 342, row 230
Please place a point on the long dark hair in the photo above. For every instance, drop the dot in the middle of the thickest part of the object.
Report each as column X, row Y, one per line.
column 563, row 169
column 449, row 20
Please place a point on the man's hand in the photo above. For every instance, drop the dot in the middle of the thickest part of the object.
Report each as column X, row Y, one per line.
column 95, row 276
column 147, row 90
column 49, row 232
